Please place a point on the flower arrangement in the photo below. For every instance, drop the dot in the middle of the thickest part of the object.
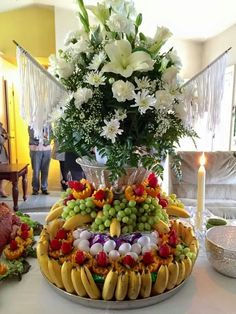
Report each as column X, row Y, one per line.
column 125, row 96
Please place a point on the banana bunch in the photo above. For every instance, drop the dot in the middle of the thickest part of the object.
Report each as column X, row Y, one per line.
column 173, row 210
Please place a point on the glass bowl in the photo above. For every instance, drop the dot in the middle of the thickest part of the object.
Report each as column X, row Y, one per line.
column 221, row 249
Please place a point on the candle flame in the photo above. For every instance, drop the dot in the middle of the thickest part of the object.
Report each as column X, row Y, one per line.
column 202, row 159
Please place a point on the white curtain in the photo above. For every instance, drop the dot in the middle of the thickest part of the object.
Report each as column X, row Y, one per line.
column 39, row 93
column 203, row 99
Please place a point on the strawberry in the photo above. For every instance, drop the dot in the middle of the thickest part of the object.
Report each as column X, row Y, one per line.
column 163, row 202
column 61, row 234
column 102, row 259
column 13, row 245
column 164, row 250
column 100, row 195
column 128, row 261
column 55, row 245
column 24, row 226
column 66, row 248
column 173, row 240
column 76, row 185
column 139, row 190
column 24, row 234
column 79, row 257
column 152, row 180
column 148, row 258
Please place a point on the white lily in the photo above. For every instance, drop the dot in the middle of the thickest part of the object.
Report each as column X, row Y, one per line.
column 123, row 61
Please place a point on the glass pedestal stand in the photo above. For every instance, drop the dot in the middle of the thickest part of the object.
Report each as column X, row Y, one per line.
column 198, row 220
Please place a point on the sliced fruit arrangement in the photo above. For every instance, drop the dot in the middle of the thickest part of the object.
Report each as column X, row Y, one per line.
column 100, row 246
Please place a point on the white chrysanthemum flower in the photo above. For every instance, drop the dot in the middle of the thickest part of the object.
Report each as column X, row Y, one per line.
column 63, row 68
column 97, row 60
column 56, row 114
column 81, row 96
column 120, row 24
column 123, row 91
column 111, row 129
column 95, row 78
column 120, row 114
column 170, row 76
column 163, row 99
column 144, row 101
column 143, row 83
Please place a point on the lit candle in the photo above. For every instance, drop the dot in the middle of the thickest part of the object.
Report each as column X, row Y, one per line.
column 201, row 191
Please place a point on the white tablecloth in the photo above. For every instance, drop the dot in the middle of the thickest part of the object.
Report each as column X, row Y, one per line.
column 205, row 292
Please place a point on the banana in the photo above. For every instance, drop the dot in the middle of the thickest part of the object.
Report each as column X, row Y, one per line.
column 161, row 227
column 134, row 285
column 175, row 225
column 55, row 205
column 182, row 230
column 173, row 210
column 189, row 235
column 188, row 266
column 66, row 276
column 55, row 272
column 44, row 235
column 115, row 228
column 54, row 214
column 77, row 282
column 43, row 263
column 122, row 286
column 89, row 283
column 194, row 246
column 181, row 272
column 109, row 285
column 53, row 227
column 77, row 221
column 162, row 280
column 173, row 269
column 42, row 248
column 146, row 284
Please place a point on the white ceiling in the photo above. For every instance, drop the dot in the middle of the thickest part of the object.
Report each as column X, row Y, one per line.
column 187, row 19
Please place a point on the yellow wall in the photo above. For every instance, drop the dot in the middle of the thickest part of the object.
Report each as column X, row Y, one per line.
column 32, row 27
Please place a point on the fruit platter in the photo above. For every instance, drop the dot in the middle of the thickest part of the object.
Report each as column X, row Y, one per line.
column 98, row 247
column 17, row 231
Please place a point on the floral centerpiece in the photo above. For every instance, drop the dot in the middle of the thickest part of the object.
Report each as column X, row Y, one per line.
column 125, row 96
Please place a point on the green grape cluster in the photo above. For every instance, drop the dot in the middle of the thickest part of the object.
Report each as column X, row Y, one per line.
column 149, row 213
column 78, row 206
column 182, row 251
column 173, row 200
column 125, row 212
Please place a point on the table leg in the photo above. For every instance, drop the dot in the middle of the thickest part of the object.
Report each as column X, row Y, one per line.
column 24, row 186
column 15, row 194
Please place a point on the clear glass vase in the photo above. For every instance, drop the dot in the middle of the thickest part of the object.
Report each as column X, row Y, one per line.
column 99, row 175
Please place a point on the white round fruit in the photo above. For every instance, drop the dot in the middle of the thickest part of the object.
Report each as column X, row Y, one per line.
column 114, row 255
column 144, row 240
column 124, row 248
column 96, row 248
column 85, row 235
column 76, row 234
column 109, row 246
column 136, row 248
column 146, row 248
column 84, row 245
column 76, row 243
column 134, row 255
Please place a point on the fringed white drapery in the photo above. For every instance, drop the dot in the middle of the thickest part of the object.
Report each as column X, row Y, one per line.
column 39, row 92
column 204, row 92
